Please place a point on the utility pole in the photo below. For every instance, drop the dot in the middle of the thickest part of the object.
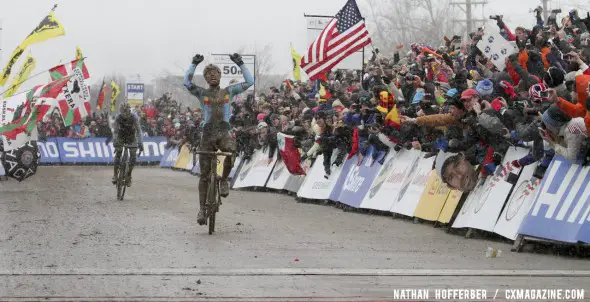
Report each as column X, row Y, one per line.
column 467, row 7
column 545, row 12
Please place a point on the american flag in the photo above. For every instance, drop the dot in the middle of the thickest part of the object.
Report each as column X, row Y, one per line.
column 343, row 36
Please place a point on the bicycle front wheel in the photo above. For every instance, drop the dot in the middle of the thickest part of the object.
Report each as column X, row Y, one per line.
column 122, row 177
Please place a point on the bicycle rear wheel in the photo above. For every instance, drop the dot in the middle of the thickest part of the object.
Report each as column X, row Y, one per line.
column 212, row 200
column 122, row 177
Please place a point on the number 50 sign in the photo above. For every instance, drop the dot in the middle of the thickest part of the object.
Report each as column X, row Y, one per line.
column 230, row 71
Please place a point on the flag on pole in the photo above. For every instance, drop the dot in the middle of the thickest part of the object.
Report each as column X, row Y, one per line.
column 115, row 90
column 22, row 76
column 102, row 94
column 65, row 70
column 296, row 64
column 290, row 154
column 74, row 103
column 344, row 35
column 29, row 112
column 392, row 119
column 47, row 29
column 79, row 55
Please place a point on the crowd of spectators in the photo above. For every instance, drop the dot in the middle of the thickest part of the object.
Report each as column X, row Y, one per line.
column 160, row 117
column 449, row 97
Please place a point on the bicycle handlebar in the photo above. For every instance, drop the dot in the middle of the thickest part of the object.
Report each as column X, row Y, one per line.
column 214, row 153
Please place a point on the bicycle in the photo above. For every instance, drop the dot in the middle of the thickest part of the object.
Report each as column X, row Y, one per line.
column 123, row 170
column 213, row 197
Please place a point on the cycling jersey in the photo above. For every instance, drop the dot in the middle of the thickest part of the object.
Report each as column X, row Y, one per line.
column 216, row 101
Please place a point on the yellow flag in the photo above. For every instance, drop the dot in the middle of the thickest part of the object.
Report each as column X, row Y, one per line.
column 296, row 64
column 22, row 76
column 79, row 55
column 115, row 90
column 47, row 29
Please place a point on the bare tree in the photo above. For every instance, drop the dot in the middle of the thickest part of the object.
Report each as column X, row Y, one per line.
column 263, row 66
column 408, row 21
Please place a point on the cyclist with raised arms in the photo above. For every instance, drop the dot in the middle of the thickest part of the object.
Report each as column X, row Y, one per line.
column 215, row 102
column 126, row 131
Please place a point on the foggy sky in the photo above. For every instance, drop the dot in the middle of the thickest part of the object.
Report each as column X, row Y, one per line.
column 145, row 37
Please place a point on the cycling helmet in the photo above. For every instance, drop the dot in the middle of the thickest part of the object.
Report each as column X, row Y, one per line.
column 125, row 108
column 535, row 93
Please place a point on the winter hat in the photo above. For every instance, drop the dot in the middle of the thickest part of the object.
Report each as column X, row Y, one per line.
column 496, row 104
column 468, row 93
column 554, row 118
column 262, row 125
column 452, row 92
column 418, row 97
column 485, row 87
column 535, row 93
column 554, row 77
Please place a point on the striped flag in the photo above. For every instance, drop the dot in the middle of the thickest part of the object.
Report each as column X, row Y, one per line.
column 343, row 36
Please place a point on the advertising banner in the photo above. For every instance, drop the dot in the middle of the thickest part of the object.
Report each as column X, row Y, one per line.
column 49, row 151
column 413, row 185
column 315, row 186
column 255, row 172
column 519, row 203
column 561, row 207
column 359, row 179
column 433, row 198
column 95, row 150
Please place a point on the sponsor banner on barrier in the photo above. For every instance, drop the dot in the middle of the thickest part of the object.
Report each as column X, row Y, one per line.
column 359, row 179
column 482, row 211
column 183, row 159
column 255, row 172
column 234, row 169
column 433, row 198
column 279, row 176
column 294, row 183
column 450, row 206
column 2, row 171
column 519, row 203
column 169, row 158
column 95, row 150
column 388, row 181
column 196, row 168
column 338, row 185
column 315, row 186
column 49, row 151
column 561, row 206
column 413, row 185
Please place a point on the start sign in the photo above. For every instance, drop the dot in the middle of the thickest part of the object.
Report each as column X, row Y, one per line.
column 135, row 93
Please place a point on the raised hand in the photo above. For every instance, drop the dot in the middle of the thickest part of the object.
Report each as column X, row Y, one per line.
column 236, row 58
column 197, row 59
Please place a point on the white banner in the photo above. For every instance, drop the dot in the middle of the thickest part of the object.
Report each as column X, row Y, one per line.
column 519, row 203
column 315, row 186
column 255, row 172
column 279, row 177
column 413, row 186
column 483, row 209
column 388, row 182
column 230, row 71
column 496, row 48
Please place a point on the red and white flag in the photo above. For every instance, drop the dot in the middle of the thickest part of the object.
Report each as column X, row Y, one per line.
column 290, row 154
column 343, row 36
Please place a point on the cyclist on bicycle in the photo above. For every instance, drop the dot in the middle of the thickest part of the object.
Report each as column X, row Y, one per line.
column 216, row 114
column 126, row 131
